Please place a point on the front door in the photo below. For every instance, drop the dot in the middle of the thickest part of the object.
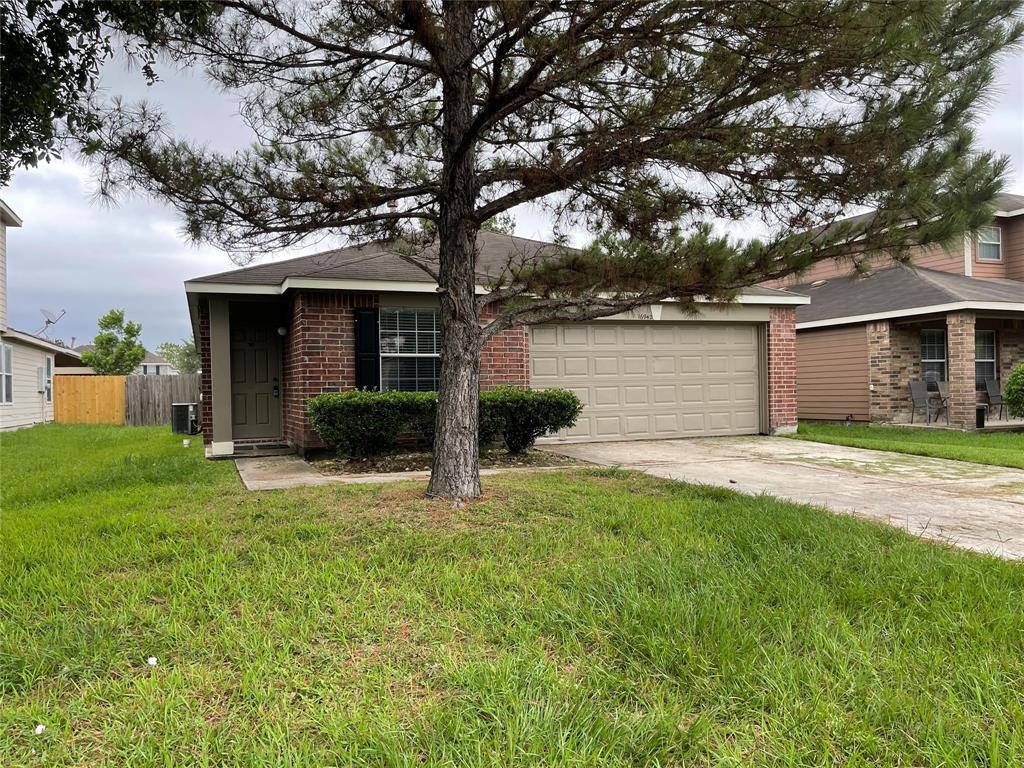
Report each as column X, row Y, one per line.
column 255, row 373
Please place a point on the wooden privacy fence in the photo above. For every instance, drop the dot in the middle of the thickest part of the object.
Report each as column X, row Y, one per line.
column 133, row 400
column 88, row 399
column 148, row 399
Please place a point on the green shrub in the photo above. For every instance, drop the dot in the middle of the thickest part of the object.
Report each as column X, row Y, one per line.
column 524, row 415
column 1014, row 392
column 360, row 422
column 368, row 423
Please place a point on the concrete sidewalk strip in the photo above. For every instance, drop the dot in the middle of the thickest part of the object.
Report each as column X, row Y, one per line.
column 974, row 506
column 279, row 472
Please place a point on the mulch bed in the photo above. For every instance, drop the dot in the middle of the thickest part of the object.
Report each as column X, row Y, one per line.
column 420, row 460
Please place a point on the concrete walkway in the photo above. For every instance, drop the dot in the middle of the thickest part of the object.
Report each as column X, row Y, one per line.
column 970, row 505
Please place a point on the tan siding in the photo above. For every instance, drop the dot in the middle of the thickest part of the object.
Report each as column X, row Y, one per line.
column 832, row 373
column 29, row 406
column 942, row 258
column 1013, row 247
column 990, row 268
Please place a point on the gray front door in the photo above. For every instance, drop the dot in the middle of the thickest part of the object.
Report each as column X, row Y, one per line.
column 255, row 376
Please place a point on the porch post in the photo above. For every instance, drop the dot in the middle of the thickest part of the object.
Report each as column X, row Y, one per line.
column 220, row 367
column 962, row 397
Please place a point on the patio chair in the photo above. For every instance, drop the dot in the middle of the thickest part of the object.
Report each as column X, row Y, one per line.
column 995, row 396
column 921, row 398
column 943, row 387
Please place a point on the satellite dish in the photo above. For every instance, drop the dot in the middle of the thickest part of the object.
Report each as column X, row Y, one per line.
column 50, row 320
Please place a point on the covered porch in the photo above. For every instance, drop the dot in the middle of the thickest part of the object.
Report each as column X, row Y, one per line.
column 956, row 355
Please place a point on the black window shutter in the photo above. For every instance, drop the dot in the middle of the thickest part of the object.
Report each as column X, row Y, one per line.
column 367, row 348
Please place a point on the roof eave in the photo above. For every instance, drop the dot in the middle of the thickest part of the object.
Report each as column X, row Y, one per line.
column 28, row 338
column 197, row 287
column 8, row 216
column 954, row 306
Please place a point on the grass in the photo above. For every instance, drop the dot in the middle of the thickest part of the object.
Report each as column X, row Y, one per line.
column 1002, row 449
column 574, row 618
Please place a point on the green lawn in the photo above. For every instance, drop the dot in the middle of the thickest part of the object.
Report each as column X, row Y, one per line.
column 571, row 618
column 1004, row 449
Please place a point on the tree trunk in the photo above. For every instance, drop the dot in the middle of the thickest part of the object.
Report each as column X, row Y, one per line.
column 456, row 467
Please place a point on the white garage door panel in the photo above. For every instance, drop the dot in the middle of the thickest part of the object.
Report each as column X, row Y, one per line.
column 652, row 380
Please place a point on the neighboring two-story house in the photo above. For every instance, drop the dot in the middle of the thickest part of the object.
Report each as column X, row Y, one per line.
column 27, row 362
column 152, row 365
column 955, row 316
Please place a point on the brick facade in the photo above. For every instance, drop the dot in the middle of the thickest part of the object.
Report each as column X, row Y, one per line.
column 205, row 372
column 894, row 358
column 505, row 359
column 1010, row 352
column 318, row 356
column 782, row 403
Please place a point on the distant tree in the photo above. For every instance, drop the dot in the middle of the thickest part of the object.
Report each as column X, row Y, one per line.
column 419, row 121
column 116, row 349
column 184, row 356
column 51, row 54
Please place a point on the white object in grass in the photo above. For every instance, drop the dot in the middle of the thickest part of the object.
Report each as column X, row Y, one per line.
column 40, row 728
column 186, row 443
column 151, row 661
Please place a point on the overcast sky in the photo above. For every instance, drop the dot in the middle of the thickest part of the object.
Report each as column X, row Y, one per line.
column 79, row 255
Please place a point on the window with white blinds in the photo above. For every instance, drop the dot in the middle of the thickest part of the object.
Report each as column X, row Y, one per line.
column 410, row 349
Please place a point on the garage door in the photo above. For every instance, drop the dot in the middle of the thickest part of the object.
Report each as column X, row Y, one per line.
column 652, row 380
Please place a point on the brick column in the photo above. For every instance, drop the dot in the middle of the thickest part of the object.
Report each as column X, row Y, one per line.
column 505, row 358
column 882, row 401
column 962, row 396
column 782, row 370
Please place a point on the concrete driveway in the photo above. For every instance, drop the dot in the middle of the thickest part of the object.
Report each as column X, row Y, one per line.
column 969, row 505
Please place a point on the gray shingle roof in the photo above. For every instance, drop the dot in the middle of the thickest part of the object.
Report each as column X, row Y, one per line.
column 374, row 261
column 899, row 288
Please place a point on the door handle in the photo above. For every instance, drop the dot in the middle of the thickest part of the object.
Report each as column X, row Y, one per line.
column 277, row 391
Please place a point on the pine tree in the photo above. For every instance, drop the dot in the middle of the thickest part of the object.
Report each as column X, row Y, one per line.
column 418, row 121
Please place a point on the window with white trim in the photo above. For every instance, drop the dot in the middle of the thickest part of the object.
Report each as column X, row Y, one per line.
column 6, row 374
column 49, row 378
column 933, row 357
column 984, row 358
column 410, row 349
column 989, row 244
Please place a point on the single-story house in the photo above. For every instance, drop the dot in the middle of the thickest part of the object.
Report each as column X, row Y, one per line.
column 274, row 335
column 27, row 361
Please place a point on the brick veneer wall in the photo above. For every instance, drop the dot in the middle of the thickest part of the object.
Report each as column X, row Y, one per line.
column 894, row 359
column 782, row 402
column 505, row 358
column 1011, row 351
column 206, row 372
column 319, row 355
